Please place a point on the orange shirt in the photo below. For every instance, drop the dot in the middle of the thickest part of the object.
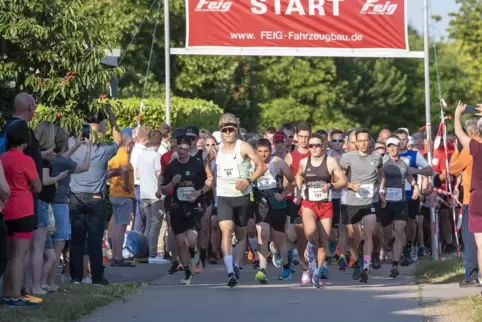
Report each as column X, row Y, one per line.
column 117, row 183
column 461, row 162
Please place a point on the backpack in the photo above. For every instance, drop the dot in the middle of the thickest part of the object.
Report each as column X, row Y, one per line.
column 3, row 138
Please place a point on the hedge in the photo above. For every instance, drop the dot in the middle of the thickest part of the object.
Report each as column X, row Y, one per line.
column 184, row 112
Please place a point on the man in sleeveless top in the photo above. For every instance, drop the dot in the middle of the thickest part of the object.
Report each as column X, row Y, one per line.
column 362, row 169
column 293, row 159
column 234, row 180
column 271, row 208
column 318, row 174
column 395, row 210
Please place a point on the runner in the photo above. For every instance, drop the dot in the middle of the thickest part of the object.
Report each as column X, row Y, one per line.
column 293, row 159
column 361, row 201
column 271, row 208
column 395, row 211
column 188, row 178
column 233, row 188
column 418, row 165
column 318, row 174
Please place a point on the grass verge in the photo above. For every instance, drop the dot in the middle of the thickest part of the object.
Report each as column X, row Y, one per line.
column 439, row 272
column 70, row 303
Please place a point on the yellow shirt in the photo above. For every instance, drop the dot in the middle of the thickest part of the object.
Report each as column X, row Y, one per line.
column 117, row 183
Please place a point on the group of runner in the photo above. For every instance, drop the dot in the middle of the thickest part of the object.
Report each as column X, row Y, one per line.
column 325, row 196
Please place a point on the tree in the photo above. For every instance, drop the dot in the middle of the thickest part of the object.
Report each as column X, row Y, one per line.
column 54, row 50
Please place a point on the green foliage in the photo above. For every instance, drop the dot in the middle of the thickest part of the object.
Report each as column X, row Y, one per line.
column 183, row 112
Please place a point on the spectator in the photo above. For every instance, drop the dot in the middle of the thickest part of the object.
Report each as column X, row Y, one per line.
column 383, row 135
column 165, row 131
column 475, row 206
column 139, row 137
column 4, row 194
column 461, row 163
column 23, row 179
column 60, row 203
column 148, row 172
column 45, row 135
column 87, row 200
column 121, row 195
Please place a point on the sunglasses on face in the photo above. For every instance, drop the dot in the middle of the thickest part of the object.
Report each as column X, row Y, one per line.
column 228, row 130
column 315, row 146
column 290, row 136
column 337, row 141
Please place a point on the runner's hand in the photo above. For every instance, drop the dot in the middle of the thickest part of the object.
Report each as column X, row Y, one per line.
column 158, row 194
column 278, row 196
column 176, row 179
column 209, row 182
column 355, row 186
column 62, row 175
column 326, row 187
column 48, row 155
column 241, row 184
column 297, row 201
column 194, row 196
column 383, row 203
column 416, row 192
column 213, row 152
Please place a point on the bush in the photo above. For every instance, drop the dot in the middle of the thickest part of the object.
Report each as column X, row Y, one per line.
column 184, row 112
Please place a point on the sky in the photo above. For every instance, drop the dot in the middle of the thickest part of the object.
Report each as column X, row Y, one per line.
column 437, row 7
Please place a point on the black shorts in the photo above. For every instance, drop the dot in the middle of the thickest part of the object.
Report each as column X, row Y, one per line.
column 413, row 208
column 276, row 218
column 394, row 211
column 351, row 215
column 20, row 228
column 425, row 213
column 335, row 221
column 236, row 209
column 184, row 218
column 294, row 212
column 214, row 212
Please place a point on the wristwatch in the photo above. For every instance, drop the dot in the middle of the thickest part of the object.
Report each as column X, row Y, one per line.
column 249, row 180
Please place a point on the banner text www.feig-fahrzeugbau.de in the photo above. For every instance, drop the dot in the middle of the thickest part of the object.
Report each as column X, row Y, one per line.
column 296, row 36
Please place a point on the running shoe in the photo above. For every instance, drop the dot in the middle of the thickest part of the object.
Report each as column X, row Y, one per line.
column 422, row 251
column 187, row 278
column 305, row 278
column 31, row 298
column 324, row 273
column 256, row 264
column 261, row 276
column 332, row 244
column 212, row 260
column 20, row 302
column 414, row 254
column 250, row 255
column 232, row 281
column 342, row 263
column 295, row 259
column 364, row 276
column 292, row 268
column 356, row 271
column 351, row 263
column 376, row 263
column 285, row 274
column 277, row 260
column 174, row 268
column 394, row 272
column 405, row 261
column 317, row 279
column 237, row 270
column 272, row 248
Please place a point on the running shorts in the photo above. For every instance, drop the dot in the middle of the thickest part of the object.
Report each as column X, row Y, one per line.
column 21, row 228
column 236, row 209
column 394, row 211
column 336, row 213
column 184, row 218
column 413, row 208
column 293, row 212
column 323, row 210
column 276, row 218
column 351, row 215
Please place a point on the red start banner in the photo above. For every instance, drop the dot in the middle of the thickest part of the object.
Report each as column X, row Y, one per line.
column 324, row 24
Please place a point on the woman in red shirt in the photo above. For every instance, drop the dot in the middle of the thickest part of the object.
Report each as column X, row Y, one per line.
column 24, row 182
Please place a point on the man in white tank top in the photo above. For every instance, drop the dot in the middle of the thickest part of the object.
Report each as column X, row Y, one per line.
column 234, row 178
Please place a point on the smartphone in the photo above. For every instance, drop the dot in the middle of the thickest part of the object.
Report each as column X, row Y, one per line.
column 86, row 131
column 470, row 109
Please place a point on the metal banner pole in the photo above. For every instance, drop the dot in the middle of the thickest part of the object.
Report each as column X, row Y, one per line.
column 167, row 54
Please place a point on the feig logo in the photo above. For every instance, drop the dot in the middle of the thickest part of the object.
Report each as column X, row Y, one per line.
column 213, row 6
column 373, row 7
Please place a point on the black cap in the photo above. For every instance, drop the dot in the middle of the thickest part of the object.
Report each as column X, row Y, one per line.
column 191, row 130
column 184, row 139
column 177, row 133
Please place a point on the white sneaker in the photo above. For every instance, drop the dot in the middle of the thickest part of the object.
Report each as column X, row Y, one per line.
column 87, row 280
column 414, row 254
column 158, row 260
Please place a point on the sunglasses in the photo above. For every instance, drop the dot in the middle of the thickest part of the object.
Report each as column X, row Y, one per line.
column 337, row 141
column 228, row 130
column 214, row 144
column 290, row 136
column 315, row 146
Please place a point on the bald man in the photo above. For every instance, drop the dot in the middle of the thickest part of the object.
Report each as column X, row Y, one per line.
column 383, row 135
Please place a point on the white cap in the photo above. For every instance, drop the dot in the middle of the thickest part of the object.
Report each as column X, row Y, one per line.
column 393, row 141
column 217, row 136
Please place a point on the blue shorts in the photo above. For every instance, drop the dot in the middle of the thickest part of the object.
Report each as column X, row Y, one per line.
column 43, row 214
column 62, row 221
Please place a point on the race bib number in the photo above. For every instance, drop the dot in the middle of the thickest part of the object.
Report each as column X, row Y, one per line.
column 317, row 194
column 266, row 182
column 228, row 172
column 393, row 194
column 184, row 193
column 365, row 191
